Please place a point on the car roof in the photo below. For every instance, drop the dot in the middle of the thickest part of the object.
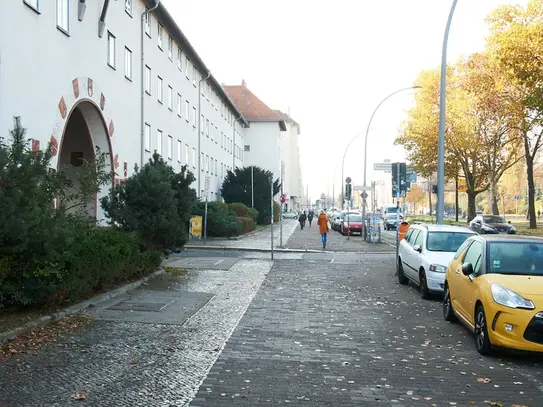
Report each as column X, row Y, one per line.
column 512, row 238
column 431, row 227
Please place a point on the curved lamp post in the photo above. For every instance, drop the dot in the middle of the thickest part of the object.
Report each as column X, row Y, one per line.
column 366, row 148
column 441, row 140
column 343, row 169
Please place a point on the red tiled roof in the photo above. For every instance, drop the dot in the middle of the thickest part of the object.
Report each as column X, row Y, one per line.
column 252, row 108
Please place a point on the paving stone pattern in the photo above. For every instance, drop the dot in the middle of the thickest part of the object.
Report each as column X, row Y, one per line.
column 125, row 363
column 347, row 334
column 310, row 239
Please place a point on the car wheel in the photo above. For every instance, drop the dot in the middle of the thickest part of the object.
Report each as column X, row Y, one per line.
column 423, row 285
column 402, row 279
column 482, row 340
column 448, row 312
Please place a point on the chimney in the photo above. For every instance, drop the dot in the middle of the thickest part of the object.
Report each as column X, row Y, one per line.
column 243, row 83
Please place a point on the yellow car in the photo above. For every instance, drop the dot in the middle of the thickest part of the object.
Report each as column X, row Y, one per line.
column 494, row 286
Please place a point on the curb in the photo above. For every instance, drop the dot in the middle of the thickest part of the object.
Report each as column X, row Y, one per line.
column 74, row 309
column 278, row 250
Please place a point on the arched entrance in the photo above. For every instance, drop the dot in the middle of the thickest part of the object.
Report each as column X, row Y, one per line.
column 84, row 130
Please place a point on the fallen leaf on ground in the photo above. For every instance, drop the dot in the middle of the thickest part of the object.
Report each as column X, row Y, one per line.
column 79, row 396
column 483, row 380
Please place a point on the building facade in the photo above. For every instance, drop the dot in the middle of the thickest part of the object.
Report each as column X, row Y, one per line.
column 119, row 76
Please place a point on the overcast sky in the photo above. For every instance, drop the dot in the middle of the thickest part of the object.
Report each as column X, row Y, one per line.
column 331, row 63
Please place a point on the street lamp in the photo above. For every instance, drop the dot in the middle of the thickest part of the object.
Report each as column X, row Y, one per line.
column 366, row 148
column 441, row 140
column 343, row 168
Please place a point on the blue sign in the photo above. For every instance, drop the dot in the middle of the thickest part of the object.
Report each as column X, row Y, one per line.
column 517, row 197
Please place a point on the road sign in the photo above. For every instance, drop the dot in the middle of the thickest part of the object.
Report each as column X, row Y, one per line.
column 382, row 166
column 348, row 180
column 196, row 226
column 206, row 187
column 517, row 197
column 361, row 188
column 364, row 195
column 283, row 198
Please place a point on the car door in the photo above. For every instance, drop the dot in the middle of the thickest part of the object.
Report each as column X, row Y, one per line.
column 465, row 288
column 410, row 254
column 416, row 255
column 405, row 246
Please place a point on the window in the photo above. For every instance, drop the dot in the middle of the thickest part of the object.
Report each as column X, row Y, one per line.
column 187, row 154
column 170, row 147
column 413, row 236
column 170, row 98
column 127, row 63
column 419, row 240
column 216, row 166
column 170, row 48
column 179, row 104
column 207, row 127
column 187, row 62
column 128, row 6
column 201, row 161
column 193, row 75
column 202, row 123
column 110, row 49
column 159, row 142
column 222, row 139
column 147, row 137
column 187, row 110
column 193, row 157
column 211, row 166
column 179, row 59
column 445, row 241
column 193, row 117
column 147, row 22
column 247, row 147
column 178, row 151
column 63, row 14
column 147, row 79
column 462, row 248
column 474, row 254
column 207, row 163
column 33, row 4
column 160, row 36
column 159, row 91
column 216, row 134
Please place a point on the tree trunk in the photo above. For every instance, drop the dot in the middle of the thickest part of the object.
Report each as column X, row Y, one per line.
column 492, row 190
column 471, row 204
column 430, row 197
column 531, row 190
column 456, row 200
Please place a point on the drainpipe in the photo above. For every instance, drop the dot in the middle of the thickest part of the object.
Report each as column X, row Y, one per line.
column 142, row 77
column 102, row 21
column 81, row 7
column 199, row 134
column 234, row 143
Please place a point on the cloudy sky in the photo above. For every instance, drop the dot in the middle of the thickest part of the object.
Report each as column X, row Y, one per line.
column 330, row 63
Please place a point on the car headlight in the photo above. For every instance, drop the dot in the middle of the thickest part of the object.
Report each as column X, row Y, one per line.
column 508, row 298
column 438, row 268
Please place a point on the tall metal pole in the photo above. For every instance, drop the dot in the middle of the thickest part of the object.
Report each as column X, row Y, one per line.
column 366, row 145
column 398, row 187
column 271, row 212
column 441, row 141
column 252, row 188
column 343, row 169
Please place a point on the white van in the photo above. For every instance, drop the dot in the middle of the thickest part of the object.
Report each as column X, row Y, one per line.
column 390, row 216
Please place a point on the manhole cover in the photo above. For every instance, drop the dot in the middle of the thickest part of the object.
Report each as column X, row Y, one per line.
column 139, row 306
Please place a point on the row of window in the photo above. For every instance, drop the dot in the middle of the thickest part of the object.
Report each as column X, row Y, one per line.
column 207, row 163
column 62, row 11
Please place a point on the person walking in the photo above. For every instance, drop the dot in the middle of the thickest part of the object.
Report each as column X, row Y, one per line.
column 302, row 219
column 310, row 217
column 322, row 221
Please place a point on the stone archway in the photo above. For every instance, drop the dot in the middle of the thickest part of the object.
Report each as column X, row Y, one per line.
column 84, row 130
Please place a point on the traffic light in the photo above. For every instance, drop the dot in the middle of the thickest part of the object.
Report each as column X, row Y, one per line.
column 348, row 191
column 402, row 181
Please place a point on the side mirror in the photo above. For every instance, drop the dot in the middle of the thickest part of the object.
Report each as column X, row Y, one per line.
column 417, row 248
column 467, row 269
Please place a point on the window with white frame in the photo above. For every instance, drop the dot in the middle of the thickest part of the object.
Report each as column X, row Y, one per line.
column 207, row 163
column 179, row 59
column 216, row 166
column 193, row 117
column 186, row 154
column 147, row 137
column 35, row 4
column 159, row 90
column 202, row 161
column 178, row 151
column 202, row 123
column 170, row 147
column 222, row 140
column 193, row 157
column 187, row 62
column 211, row 165
column 160, row 35
column 187, row 110
column 207, row 127
column 159, row 142
column 179, row 104
column 216, row 134
column 170, row 98
column 147, row 22
column 170, row 48
column 128, row 6
column 147, row 79
column 110, row 49
column 63, row 15
column 193, row 75
column 127, row 63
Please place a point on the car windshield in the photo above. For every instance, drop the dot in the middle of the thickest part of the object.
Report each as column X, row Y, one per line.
column 493, row 219
column 392, row 209
column 354, row 218
column 522, row 258
column 446, row 241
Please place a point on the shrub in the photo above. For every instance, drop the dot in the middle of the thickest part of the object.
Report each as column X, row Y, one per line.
column 221, row 222
column 276, row 212
column 247, row 224
column 238, row 208
column 253, row 214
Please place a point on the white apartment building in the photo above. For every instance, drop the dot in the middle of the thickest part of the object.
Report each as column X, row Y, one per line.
column 118, row 75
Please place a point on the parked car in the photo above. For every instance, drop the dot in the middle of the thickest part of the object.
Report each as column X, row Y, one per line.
column 290, row 215
column 351, row 224
column 338, row 219
column 494, row 286
column 491, row 224
column 425, row 253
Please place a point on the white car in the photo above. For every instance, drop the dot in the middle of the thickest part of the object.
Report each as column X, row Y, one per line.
column 425, row 252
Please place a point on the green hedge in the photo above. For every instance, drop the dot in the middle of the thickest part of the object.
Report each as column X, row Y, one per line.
column 221, row 222
column 247, row 224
